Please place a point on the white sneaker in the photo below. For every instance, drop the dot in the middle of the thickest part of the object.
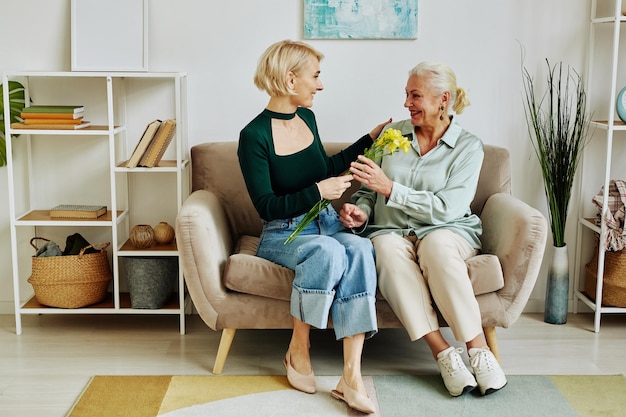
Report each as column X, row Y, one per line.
column 489, row 374
column 456, row 377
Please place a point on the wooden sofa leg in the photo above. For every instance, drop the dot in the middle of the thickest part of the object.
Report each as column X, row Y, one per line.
column 492, row 341
column 222, row 351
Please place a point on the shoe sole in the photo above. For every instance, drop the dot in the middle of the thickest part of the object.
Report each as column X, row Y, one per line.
column 492, row 390
column 339, row 396
column 466, row 389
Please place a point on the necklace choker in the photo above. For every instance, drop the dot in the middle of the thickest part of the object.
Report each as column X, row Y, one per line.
column 282, row 116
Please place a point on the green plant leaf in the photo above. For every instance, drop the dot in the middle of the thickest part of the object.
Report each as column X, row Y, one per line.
column 17, row 99
column 558, row 126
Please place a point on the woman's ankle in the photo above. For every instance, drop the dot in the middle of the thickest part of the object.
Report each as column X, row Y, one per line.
column 300, row 359
column 354, row 379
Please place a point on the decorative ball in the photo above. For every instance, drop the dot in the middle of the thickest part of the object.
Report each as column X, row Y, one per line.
column 163, row 233
column 142, row 236
column 620, row 104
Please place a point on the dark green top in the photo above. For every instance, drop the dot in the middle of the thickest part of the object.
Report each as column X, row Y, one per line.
column 283, row 186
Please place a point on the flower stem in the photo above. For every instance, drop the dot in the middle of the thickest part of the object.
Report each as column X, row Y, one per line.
column 389, row 142
column 310, row 216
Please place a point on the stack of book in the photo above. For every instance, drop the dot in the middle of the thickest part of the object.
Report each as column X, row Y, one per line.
column 52, row 117
column 152, row 144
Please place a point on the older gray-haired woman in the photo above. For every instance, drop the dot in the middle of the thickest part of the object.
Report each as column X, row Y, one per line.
column 416, row 209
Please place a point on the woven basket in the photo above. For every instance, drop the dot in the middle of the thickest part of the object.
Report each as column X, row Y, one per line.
column 614, row 278
column 71, row 281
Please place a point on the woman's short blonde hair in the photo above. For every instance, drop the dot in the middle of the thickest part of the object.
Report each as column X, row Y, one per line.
column 442, row 79
column 277, row 61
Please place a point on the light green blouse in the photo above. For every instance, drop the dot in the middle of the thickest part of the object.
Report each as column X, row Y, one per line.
column 429, row 192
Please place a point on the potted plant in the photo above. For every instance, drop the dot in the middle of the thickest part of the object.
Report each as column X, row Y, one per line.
column 16, row 104
column 558, row 125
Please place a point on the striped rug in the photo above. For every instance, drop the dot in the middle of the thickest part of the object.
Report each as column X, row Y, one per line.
column 271, row 396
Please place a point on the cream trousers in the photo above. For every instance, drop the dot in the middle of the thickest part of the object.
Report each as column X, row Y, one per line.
column 412, row 273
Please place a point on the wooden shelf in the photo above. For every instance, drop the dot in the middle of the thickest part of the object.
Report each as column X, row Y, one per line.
column 108, row 303
column 604, row 124
column 44, row 216
column 170, row 247
column 93, row 130
column 165, row 165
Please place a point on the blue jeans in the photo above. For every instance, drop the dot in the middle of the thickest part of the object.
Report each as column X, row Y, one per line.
column 335, row 272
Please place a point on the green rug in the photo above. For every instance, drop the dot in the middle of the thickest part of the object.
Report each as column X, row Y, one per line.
column 271, row 396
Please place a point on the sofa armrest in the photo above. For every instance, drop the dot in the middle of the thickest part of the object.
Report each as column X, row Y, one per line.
column 204, row 243
column 517, row 234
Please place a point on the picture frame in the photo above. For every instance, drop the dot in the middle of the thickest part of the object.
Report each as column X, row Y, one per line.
column 360, row 19
column 109, row 35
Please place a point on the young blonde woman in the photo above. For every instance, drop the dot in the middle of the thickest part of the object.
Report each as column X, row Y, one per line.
column 287, row 172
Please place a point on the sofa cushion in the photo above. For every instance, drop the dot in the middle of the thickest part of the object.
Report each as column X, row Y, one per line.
column 247, row 273
column 485, row 273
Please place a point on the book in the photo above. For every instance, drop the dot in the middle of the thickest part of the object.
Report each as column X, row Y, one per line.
column 53, row 121
column 50, row 126
column 159, row 144
column 143, row 143
column 26, row 116
column 81, row 211
column 52, row 108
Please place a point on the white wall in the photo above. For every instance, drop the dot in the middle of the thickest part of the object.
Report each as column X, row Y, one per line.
column 218, row 43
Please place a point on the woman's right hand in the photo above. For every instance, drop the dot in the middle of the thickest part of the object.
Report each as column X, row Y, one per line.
column 375, row 133
column 368, row 173
column 332, row 188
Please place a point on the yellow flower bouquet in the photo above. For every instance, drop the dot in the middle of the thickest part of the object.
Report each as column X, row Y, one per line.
column 388, row 143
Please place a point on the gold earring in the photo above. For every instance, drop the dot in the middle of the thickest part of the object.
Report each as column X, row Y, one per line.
column 441, row 116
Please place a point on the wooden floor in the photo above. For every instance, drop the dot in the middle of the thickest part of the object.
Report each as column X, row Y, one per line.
column 44, row 370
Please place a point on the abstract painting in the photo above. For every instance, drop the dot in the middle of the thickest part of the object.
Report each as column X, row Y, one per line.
column 360, row 19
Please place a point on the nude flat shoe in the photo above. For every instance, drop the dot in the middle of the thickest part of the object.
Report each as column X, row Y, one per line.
column 353, row 398
column 301, row 382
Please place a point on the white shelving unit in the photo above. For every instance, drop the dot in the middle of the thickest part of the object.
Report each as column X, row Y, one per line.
column 605, row 79
column 50, row 167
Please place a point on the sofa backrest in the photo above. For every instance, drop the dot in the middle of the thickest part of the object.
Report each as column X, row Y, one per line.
column 215, row 167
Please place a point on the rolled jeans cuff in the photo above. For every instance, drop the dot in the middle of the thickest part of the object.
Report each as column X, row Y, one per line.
column 311, row 306
column 355, row 315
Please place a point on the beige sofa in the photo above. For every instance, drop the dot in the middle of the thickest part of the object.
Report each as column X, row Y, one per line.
column 217, row 233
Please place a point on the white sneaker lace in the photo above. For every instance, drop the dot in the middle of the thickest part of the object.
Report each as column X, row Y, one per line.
column 482, row 361
column 454, row 363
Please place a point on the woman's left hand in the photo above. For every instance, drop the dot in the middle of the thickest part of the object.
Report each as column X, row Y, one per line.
column 368, row 173
column 352, row 216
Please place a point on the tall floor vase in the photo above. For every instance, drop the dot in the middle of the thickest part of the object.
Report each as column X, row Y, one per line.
column 557, row 288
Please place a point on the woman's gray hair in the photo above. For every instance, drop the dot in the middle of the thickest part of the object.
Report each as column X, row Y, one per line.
column 441, row 78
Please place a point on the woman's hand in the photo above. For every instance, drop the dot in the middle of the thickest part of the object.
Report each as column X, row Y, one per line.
column 352, row 216
column 371, row 175
column 332, row 188
column 375, row 133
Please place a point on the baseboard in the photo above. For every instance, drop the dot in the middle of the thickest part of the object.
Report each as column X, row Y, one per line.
column 538, row 306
